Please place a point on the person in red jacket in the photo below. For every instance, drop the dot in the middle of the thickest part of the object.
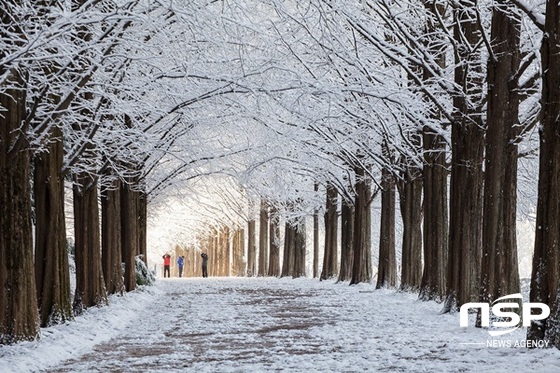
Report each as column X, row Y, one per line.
column 166, row 264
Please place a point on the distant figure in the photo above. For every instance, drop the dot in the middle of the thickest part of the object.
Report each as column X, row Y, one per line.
column 204, row 264
column 180, row 263
column 166, row 264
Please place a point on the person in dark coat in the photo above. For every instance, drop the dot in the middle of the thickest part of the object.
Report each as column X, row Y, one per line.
column 204, row 264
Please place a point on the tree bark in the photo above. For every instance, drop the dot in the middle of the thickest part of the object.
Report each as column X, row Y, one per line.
column 466, row 186
column 213, row 256
column 129, row 233
column 274, row 259
column 545, row 279
column 18, row 294
column 252, row 248
column 224, row 238
column 499, row 271
column 346, row 239
column 111, row 239
column 289, row 248
column 52, row 272
column 434, row 175
column 263, row 240
column 330, row 257
column 410, row 199
column 299, row 249
column 316, row 240
column 361, row 267
column 90, row 286
column 238, row 250
column 432, row 286
column 143, row 224
column 387, row 269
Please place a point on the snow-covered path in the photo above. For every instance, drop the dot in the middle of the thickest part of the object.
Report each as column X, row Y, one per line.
column 267, row 324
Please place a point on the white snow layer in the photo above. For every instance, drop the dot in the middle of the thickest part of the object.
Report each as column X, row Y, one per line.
column 269, row 324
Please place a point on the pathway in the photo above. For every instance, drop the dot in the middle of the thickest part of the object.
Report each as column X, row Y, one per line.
column 263, row 325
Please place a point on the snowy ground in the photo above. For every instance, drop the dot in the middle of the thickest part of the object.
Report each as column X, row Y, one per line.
column 257, row 325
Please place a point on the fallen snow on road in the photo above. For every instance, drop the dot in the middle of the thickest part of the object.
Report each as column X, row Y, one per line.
column 268, row 324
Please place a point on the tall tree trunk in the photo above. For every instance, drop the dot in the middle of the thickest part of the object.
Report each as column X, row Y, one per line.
column 263, row 239
column 499, row 271
column 90, row 286
column 410, row 200
column 219, row 254
column 129, row 233
column 226, row 267
column 252, row 248
column 316, row 237
column 289, row 248
column 361, row 266
column 213, row 256
column 387, row 269
column 299, row 249
column 18, row 295
column 143, row 224
column 330, row 258
column 432, row 286
column 346, row 239
column 111, row 239
column 466, row 186
column 238, row 251
column 434, row 175
column 52, row 272
column 545, row 279
column 275, row 242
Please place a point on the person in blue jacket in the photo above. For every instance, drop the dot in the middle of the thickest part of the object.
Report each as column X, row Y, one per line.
column 180, row 264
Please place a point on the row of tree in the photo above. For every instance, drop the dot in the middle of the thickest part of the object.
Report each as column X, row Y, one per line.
column 132, row 103
column 49, row 116
column 478, row 79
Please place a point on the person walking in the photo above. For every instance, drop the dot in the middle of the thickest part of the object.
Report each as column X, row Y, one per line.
column 166, row 265
column 204, row 264
column 180, row 263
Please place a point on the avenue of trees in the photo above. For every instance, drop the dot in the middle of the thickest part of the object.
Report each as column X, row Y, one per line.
column 295, row 116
